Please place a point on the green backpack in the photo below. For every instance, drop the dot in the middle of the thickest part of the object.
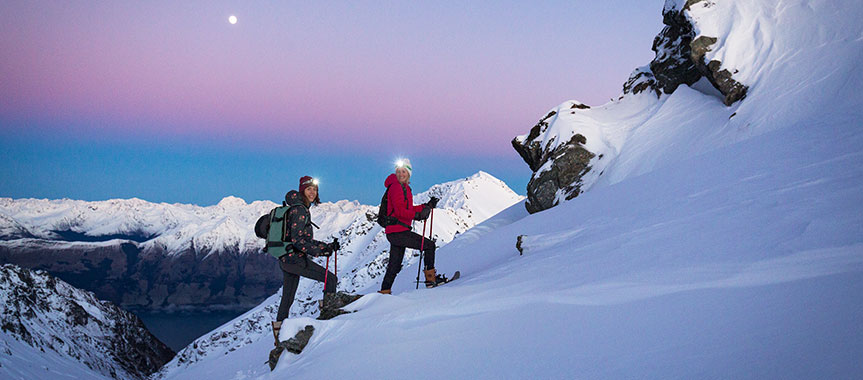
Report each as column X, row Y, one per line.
column 273, row 227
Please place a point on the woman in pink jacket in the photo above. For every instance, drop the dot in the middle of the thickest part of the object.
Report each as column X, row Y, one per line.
column 400, row 206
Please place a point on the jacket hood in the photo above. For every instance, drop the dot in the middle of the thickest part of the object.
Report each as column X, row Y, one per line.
column 293, row 198
column 391, row 180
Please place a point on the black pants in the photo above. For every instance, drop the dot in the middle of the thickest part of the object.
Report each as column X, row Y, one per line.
column 291, row 278
column 398, row 242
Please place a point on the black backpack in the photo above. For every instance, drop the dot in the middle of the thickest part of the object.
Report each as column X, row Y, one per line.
column 262, row 226
column 385, row 220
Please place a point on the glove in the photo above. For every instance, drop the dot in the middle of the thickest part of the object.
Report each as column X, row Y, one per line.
column 432, row 203
column 423, row 215
column 334, row 246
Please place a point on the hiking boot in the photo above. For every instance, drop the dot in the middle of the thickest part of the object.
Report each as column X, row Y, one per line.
column 433, row 279
column 388, row 291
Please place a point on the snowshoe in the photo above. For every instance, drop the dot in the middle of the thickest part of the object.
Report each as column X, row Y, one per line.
column 433, row 279
column 439, row 279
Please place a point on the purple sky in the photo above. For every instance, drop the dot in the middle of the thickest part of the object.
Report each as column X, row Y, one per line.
column 368, row 78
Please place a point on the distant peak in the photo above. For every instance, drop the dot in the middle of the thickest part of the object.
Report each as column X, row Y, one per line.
column 480, row 174
column 232, row 201
column 484, row 176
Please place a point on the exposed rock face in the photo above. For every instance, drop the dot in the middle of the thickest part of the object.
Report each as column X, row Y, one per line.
column 681, row 58
column 569, row 162
column 557, row 171
column 672, row 65
column 296, row 344
column 48, row 314
column 332, row 304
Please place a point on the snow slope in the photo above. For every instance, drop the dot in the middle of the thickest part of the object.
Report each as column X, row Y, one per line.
column 720, row 242
column 744, row 271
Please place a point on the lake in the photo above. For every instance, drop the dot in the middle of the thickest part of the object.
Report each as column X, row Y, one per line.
column 178, row 329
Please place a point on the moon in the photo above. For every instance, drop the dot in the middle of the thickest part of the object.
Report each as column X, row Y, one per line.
column 232, row 19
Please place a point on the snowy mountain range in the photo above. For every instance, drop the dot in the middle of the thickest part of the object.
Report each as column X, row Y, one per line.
column 53, row 330
column 147, row 255
column 716, row 235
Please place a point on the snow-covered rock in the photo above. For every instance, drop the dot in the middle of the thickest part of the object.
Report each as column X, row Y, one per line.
column 569, row 148
column 147, row 255
column 53, row 330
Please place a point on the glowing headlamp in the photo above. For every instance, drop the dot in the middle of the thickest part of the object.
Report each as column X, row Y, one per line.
column 400, row 164
column 313, row 181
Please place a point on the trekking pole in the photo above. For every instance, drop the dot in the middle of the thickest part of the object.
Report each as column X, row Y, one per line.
column 326, row 272
column 336, row 264
column 420, row 263
column 431, row 227
column 336, row 259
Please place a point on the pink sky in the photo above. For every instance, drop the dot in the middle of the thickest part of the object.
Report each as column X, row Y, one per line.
column 363, row 75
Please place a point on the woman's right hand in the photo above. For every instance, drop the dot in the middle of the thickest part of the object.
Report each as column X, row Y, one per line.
column 423, row 215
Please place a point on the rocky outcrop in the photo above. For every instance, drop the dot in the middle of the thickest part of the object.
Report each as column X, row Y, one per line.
column 298, row 342
column 332, row 304
column 561, row 161
column 50, row 315
column 558, row 169
column 681, row 58
column 294, row 345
